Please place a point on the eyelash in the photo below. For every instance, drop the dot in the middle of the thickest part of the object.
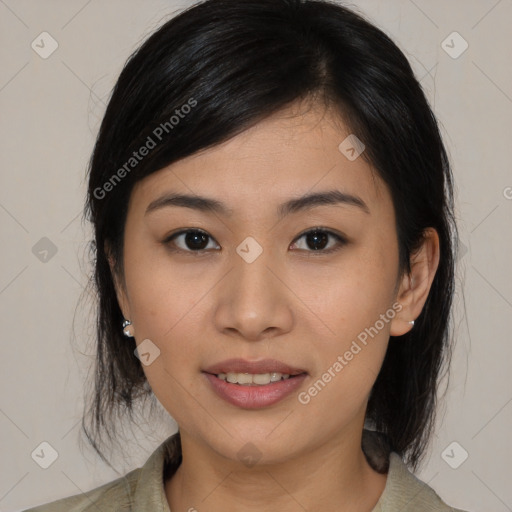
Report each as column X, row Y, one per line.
column 341, row 241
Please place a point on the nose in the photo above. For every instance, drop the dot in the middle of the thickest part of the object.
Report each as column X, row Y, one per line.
column 253, row 301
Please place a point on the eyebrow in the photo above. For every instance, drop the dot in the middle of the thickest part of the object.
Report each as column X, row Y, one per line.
column 303, row 203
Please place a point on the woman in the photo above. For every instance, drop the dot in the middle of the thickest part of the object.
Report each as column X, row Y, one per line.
column 275, row 244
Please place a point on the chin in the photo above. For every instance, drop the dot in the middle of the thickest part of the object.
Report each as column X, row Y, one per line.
column 257, row 444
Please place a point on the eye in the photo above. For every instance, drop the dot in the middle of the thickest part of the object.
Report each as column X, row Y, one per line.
column 318, row 239
column 195, row 240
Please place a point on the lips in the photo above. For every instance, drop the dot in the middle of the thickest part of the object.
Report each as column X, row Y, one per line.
column 254, row 397
column 253, row 367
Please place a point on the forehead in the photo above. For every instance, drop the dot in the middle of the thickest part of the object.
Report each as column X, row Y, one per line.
column 289, row 154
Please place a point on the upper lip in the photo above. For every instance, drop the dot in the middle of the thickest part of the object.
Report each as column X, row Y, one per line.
column 254, row 367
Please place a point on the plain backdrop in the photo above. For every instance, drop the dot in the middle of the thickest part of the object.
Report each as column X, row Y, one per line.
column 50, row 113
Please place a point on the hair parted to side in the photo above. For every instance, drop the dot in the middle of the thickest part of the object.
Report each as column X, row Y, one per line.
column 242, row 61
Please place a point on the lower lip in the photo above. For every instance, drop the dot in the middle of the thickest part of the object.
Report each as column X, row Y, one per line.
column 255, row 397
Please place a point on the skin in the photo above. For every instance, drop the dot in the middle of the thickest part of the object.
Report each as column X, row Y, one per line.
column 294, row 304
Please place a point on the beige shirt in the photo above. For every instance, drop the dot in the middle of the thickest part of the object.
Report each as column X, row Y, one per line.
column 142, row 490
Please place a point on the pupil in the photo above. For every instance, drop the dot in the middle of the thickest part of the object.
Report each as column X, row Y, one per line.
column 196, row 240
column 315, row 236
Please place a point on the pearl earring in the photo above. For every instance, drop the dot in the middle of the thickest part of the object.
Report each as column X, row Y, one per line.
column 126, row 329
column 411, row 323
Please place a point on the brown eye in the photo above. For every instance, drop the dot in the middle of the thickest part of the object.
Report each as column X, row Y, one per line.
column 318, row 239
column 191, row 240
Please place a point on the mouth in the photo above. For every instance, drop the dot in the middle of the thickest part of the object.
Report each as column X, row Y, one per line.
column 256, row 384
column 253, row 379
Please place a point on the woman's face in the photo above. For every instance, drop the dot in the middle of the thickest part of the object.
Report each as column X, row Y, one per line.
column 254, row 288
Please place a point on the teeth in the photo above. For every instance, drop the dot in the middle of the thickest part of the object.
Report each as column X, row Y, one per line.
column 248, row 379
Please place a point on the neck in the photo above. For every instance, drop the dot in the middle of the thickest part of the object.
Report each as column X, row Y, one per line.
column 335, row 476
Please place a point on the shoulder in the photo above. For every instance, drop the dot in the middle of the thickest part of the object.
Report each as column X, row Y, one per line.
column 405, row 492
column 115, row 496
column 140, row 489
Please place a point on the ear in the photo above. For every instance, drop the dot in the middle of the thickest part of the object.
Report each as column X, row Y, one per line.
column 414, row 287
column 118, row 283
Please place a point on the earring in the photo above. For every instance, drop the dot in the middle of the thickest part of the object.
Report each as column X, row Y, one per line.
column 411, row 323
column 126, row 329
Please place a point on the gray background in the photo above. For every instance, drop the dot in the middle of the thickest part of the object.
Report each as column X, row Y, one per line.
column 50, row 112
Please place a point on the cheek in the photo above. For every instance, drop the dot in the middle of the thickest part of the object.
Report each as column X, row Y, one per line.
column 353, row 312
column 349, row 359
column 167, row 307
column 350, row 296
column 162, row 293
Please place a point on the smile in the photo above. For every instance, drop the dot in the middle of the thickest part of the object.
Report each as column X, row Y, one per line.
column 253, row 379
column 251, row 395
